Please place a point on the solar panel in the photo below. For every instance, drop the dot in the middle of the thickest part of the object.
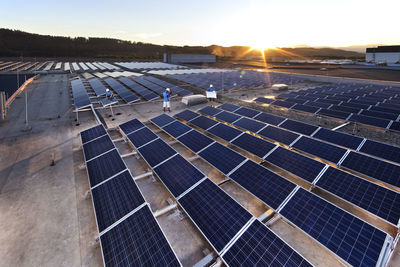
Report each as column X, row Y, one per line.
column 227, row 117
column 115, row 198
column 211, row 111
column 224, row 132
column 305, row 108
column 317, row 104
column 249, row 124
column 104, row 166
column 297, row 164
column 141, row 137
column 281, row 103
column 254, row 145
column 266, row 185
column 395, row 126
column 203, row 122
column 299, row 127
column 375, row 168
column 229, row 107
column 369, row 196
column 97, row 147
column 355, row 241
column 345, row 109
column 176, row 128
column 137, row 241
column 279, row 135
column 215, row 213
column 334, row 113
column 247, row 112
column 377, row 122
column 178, row 175
column 131, row 126
column 195, row 141
column 162, row 120
column 187, row 115
column 92, row 133
column 338, row 138
column 221, row 157
column 264, row 100
column 269, row 118
column 320, row 149
column 156, row 152
column 259, row 246
column 381, row 150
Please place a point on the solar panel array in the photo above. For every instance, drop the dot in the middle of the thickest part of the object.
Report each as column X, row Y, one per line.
column 139, row 89
column 129, row 233
column 373, row 105
column 79, row 94
column 126, row 95
column 98, row 87
column 175, row 89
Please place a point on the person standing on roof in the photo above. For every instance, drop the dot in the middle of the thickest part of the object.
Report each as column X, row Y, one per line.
column 211, row 94
column 166, row 103
column 109, row 94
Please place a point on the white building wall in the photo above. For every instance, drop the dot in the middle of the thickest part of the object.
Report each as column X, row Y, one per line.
column 383, row 57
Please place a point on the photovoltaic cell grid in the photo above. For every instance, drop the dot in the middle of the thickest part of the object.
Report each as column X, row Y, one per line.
column 141, row 137
column 203, row 122
column 264, row 100
column 338, row 138
column 115, row 198
column 254, row 145
column 187, row 115
column 381, row 150
column 97, row 147
column 162, row 120
column 227, row 117
column 221, row 157
column 249, row 124
column 229, row 107
column 378, row 169
column 210, row 111
column 224, row 132
column 247, row 112
column 92, row 133
column 279, row 135
column 215, row 213
column 156, row 152
column 269, row 118
column 305, row 168
column 259, row 246
column 369, row 196
column 104, row 166
column 299, row 127
column 125, row 245
column 176, row 128
column 195, row 141
column 355, row 241
column 131, row 126
column 269, row 187
column 178, row 175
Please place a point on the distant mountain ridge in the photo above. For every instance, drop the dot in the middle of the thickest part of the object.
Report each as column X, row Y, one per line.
column 19, row 43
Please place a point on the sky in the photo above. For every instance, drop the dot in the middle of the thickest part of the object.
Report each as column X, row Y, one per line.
column 261, row 24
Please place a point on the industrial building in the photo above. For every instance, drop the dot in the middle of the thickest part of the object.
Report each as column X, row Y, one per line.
column 383, row 54
column 189, row 58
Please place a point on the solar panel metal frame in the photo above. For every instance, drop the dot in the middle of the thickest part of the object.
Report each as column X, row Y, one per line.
column 94, row 140
column 91, row 139
column 161, row 162
column 364, row 144
column 252, row 136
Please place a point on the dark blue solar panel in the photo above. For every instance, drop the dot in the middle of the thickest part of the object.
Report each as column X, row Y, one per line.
column 269, row 187
column 355, row 105
column 131, row 126
column 353, row 240
column 105, row 166
column 304, row 167
column 280, row 135
column 395, row 126
column 137, row 241
column 162, row 120
column 227, row 117
column 249, row 124
column 320, row 149
column 229, row 107
column 115, row 198
column 381, row 150
column 259, row 246
column 338, row 138
column 97, row 147
column 224, row 131
column 269, row 118
column 377, row 122
column 247, row 112
column 186, row 115
column 334, row 113
column 254, row 145
column 221, row 157
column 92, row 133
column 215, row 213
column 203, row 122
column 378, row 200
column 345, row 109
column 281, row 103
column 195, row 141
column 178, row 175
column 211, row 111
column 305, row 108
column 141, row 137
column 387, row 110
column 299, row 127
column 156, row 152
column 375, row 168
column 317, row 104
column 264, row 100
column 176, row 128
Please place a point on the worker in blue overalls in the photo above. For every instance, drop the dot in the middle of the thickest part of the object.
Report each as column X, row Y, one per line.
column 109, row 94
column 166, row 103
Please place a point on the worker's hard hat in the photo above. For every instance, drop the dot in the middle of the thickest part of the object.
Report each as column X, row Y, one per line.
column 168, row 89
column 211, row 85
column 107, row 89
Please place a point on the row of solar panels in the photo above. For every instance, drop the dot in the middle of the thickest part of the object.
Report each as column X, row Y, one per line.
column 291, row 133
column 352, row 239
column 79, row 94
column 230, row 229
column 129, row 233
column 235, row 79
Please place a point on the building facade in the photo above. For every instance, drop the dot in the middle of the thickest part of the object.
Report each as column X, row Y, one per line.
column 383, row 54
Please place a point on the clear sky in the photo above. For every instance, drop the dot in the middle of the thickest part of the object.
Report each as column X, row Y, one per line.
column 265, row 23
